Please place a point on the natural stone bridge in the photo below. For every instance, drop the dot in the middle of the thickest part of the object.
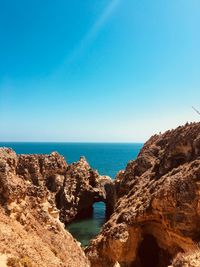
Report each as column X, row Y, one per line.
column 75, row 187
column 82, row 187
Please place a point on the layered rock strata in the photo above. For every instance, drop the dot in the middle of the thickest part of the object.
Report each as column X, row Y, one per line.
column 157, row 213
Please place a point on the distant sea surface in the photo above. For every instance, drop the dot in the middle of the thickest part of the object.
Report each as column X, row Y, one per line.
column 107, row 158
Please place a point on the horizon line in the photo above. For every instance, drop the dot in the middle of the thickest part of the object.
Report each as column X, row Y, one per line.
column 78, row 142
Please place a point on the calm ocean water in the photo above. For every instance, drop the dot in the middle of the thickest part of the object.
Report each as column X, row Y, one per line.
column 107, row 158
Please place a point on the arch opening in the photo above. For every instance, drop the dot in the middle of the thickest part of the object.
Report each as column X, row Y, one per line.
column 99, row 211
column 150, row 254
column 86, row 228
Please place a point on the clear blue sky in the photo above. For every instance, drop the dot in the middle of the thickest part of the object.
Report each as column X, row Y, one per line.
column 97, row 70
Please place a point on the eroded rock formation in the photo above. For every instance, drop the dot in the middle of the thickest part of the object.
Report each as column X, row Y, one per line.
column 82, row 187
column 157, row 213
column 31, row 233
column 37, row 192
column 156, row 202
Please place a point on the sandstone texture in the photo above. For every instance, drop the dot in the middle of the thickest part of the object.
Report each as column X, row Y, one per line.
column 157, row 212
column 31, row 233
column 189, row 259
column 38, row 193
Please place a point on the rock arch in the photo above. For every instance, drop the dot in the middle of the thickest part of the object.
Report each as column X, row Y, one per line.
column 82, row 187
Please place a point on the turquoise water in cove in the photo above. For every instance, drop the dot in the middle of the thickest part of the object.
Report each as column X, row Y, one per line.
column 107, row 158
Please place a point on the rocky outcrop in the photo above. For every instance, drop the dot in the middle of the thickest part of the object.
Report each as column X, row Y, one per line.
column 31, row 233
column 43, row 170
column 82, row 187
column 157, row 214
column 74, row 188
column 37, row 193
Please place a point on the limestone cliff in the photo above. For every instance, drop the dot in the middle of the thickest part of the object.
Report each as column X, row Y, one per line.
column 73, row 188
column 37, row 193
column 157, row 214
column 31, row 233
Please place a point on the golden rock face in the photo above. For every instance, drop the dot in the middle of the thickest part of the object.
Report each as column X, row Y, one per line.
column 157, row 204
column 31, row 233
column 38, row 193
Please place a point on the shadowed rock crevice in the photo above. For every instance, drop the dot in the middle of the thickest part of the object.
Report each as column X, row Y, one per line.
column 149, row 254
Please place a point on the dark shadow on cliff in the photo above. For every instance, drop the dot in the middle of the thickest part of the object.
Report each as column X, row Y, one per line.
column 150, row 254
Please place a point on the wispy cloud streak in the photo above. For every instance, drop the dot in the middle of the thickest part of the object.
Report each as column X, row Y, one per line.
column 86, row 40
column 93, row 32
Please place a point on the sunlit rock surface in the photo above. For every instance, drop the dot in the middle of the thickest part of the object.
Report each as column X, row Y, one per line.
column 82, row 187
column 157, row 213
column 37, row 194
column 31, row 233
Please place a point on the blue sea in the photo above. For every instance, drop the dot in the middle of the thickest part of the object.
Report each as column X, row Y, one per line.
column 107, row 158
